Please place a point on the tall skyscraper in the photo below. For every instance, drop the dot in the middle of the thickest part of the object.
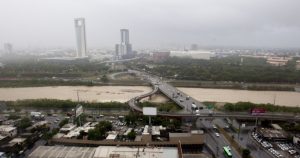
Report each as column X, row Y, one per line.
column 125, row 48
column 124, row 36
column 8, row 48
column 80, row 37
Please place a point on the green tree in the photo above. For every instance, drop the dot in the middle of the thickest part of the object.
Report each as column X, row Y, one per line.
column 131, row 135
column 50, row 134
column 13, row 117
column 131, row 118
column 24, row 123
column 104, row 78
column 63, row 122
column 94, row 134
column 246, row 153
column 99, row 132
column 81, row 134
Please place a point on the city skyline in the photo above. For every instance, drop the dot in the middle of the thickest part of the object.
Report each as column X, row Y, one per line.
column 230, row 23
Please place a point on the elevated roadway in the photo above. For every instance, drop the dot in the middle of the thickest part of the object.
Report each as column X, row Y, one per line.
column 185, row 102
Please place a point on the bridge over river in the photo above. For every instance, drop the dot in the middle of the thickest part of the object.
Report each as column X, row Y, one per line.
column 186, row 102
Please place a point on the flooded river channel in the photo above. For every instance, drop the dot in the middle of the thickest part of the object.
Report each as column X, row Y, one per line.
column 124, row 93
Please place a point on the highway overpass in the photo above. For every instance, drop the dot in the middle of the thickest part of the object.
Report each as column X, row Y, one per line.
column 181, row 100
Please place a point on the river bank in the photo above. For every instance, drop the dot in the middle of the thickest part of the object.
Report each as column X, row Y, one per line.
column 15, row 83
column 235, row 85
column 125, row 93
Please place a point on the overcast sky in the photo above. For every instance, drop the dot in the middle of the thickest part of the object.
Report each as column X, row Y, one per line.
column 152, row 23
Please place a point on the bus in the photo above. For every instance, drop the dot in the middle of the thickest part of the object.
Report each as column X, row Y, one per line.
column 227, row 151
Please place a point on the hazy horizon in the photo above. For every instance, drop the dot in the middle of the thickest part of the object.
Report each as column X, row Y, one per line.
column 152, row 24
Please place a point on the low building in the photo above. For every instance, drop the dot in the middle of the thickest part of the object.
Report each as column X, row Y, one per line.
column 4, row 139
column 156, row 130
column 146, row 136
column 127, row 131
column 10, row 122
column 67, row 128
column 160, row 56
column 194, row 137
column 15, row 145
column 298, row 65
column 199, row 54
column 278, row 61
column 272, row 134
column 111, row 137
column 7, row 130
column 40, row 126
column 133, row 152
column 74, row 132
column 104, row 152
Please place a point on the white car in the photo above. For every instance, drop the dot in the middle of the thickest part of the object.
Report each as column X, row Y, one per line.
column 217, row 134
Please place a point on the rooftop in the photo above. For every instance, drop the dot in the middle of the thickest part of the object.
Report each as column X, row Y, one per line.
column 40, row 123
column 179, row 134
column 111, row 137
column 132, row 152
column 62, row 152
column 156, row 130
column 104, row 152
column 7, row 128
column 17, row 140
column 68, row 127
column 127, row 131
column 272, row 133
column 2, row 137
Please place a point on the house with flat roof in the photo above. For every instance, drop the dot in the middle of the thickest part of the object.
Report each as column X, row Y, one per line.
column 7, row 130
column 104, row 152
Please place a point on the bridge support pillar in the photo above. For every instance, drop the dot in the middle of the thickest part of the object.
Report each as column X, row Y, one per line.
column 150, row 97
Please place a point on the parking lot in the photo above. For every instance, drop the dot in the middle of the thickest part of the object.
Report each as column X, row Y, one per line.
column 277, row 149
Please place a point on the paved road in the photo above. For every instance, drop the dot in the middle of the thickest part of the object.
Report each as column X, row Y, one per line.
column 244, row 139
column 181, row 99
column 217, row 143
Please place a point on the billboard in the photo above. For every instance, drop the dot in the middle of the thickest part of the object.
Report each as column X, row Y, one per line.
column 79, row 110
column 257, row 111
column 149, row 111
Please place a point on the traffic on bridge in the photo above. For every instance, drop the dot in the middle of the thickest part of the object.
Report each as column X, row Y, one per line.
column 193, row 108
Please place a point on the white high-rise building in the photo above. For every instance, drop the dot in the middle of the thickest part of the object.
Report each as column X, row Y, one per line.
column 80, row 37
column 124, row 36
column 125, row 49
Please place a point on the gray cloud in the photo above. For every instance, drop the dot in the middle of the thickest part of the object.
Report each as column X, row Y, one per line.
column 152, row 23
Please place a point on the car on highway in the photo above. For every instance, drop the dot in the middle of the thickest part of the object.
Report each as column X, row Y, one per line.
column 214, row 126
column 217, row 134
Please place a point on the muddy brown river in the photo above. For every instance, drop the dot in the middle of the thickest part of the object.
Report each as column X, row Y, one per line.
column 124, row 93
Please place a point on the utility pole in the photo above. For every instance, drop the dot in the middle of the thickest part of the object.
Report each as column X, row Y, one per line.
column 76, row 109
column 274, row 99
column 77, row 96
column 239, row 131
